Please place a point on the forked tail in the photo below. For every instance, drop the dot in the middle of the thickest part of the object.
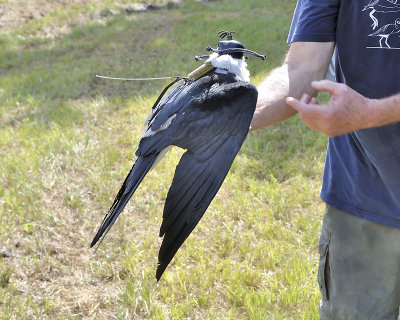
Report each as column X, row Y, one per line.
column 132, row 181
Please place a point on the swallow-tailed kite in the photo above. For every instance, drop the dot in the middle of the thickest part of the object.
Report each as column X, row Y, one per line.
column 208, row 114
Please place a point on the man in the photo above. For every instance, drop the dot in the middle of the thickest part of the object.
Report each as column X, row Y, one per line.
column 359, row 270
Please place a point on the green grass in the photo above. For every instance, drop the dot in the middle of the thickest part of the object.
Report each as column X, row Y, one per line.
column 67, row 140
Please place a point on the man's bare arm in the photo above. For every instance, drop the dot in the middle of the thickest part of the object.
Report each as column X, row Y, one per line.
column 304, row 63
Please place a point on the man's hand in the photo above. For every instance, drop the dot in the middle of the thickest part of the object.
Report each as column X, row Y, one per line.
column 346, row 111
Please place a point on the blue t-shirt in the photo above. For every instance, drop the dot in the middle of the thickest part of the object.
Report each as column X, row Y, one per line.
column 362, row 169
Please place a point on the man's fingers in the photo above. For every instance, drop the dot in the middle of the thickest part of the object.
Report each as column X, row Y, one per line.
column 294, row 103
column 308, row 100
column 305, row 98
column 308, row 107
column 327, row 86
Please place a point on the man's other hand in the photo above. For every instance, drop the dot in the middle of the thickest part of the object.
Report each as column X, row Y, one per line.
column 346, row 110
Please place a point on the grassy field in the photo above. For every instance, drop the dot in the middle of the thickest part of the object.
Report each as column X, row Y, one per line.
column 67, row 140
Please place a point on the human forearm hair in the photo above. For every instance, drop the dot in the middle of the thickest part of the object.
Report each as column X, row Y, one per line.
column 385, row 111
column 304, row 63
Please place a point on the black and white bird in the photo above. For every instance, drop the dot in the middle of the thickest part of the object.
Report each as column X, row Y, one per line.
column 386, row 31
column 381, row 6
column 207, row 113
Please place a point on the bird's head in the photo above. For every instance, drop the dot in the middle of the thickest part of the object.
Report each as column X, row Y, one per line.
column 229, row 56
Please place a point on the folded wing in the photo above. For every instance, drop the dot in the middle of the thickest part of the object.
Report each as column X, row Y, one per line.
column 210, row 118
column 213, row 134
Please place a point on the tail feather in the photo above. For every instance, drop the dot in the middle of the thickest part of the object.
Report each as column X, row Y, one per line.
column 132, row 181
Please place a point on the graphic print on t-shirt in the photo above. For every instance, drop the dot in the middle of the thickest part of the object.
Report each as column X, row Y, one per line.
column 385, row 24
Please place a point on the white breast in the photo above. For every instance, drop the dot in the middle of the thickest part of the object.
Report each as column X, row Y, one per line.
column 232, row 65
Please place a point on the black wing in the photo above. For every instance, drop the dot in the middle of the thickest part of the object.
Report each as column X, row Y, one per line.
column 212, row 128
column 128, row 188
column 209, row 117
column 142, row 165
column 178, row 97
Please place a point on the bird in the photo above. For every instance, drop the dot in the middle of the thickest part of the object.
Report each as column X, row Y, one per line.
column 384, row 6
column 208, row 114
column 386, row 31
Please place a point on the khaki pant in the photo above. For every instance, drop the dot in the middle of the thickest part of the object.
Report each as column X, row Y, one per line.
column 359, row 269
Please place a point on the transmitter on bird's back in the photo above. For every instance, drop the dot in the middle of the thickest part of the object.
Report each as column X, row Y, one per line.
column 230, row 44
column 208, row 114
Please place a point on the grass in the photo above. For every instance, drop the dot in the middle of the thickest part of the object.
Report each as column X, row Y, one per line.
column 67, row 140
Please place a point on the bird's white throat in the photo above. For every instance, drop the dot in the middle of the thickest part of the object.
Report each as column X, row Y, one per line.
column 230, row 64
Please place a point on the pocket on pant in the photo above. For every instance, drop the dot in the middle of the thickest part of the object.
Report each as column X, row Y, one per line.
column 323, row 268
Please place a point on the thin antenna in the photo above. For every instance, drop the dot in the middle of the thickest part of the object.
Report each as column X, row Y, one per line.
column 228, row 34
column 140, row 79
